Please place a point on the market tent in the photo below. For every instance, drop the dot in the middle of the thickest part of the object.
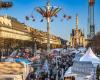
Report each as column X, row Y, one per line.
column 90, row 56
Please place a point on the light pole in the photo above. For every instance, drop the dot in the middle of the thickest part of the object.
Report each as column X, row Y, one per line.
column 48, row 12
column 56, row 68
column 35, row 47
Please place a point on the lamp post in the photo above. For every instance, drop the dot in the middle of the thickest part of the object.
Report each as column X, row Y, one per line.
column 35, row 47
column 48, row 12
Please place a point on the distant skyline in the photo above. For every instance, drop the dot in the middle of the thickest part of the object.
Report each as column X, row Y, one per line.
column 22, row 8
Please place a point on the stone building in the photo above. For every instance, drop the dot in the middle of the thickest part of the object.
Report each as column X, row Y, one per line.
column 77, row 37
column 16, row 34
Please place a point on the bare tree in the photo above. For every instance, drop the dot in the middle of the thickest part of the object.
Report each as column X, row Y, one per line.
column 96, row 43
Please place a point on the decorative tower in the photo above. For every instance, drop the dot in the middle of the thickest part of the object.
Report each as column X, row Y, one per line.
column 91, row 26
column 77, row 36
column 76, row 21
column 77, row 31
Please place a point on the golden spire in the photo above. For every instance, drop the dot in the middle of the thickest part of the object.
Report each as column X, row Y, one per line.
column 76, row 21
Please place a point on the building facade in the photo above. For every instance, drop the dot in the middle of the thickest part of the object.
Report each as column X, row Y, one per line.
column 15, row 34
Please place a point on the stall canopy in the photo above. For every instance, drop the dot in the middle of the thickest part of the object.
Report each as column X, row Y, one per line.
column 90, row 56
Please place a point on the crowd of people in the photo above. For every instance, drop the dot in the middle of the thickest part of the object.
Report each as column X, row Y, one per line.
column 49, row 67
column 57, row 65
column 24, row 53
